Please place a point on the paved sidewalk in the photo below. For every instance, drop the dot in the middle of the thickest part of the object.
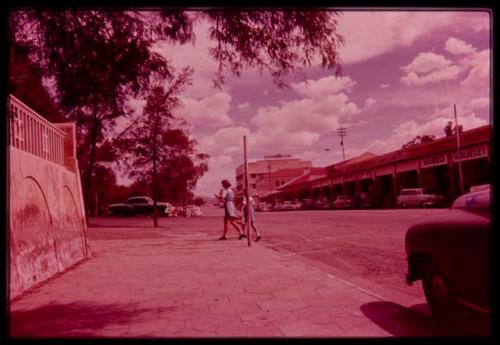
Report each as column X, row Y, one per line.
column 187, row 284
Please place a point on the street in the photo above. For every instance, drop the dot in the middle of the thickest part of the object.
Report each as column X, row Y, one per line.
column 363, row 247
column 305, row 278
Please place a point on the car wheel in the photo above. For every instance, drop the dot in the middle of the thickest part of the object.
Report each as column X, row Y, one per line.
column 402, row 205
column 438, row 295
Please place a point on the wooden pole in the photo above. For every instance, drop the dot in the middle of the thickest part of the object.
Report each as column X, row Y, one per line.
column 247, row 210
column 458, row 151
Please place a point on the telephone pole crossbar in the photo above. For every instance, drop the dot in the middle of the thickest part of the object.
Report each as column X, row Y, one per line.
column 342, row 132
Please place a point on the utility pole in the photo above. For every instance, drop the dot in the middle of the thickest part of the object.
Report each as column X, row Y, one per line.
column 342, row 132
column 247, row 210
column 458, row 151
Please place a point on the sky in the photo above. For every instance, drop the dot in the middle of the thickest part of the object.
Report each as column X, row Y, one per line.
column 401, row 74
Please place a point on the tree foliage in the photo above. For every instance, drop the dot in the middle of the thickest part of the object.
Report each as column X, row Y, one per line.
column 25, row 82
column 97, row 59
column 156, row 154
column 281, row 42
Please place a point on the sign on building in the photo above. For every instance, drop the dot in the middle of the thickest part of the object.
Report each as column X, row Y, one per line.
column 470, row 153
column 434, row 160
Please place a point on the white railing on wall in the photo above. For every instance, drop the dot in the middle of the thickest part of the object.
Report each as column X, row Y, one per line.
column 32, row 133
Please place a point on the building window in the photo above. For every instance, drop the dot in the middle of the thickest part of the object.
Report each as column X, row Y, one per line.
column 254, row 185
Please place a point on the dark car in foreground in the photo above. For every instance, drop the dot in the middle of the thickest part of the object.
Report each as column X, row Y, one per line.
column 139, row 205
column 451, row 255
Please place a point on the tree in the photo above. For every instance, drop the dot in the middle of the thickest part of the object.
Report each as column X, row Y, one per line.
column 143, row 146
column 281, row 42
column 25, row 82
column 98, row 59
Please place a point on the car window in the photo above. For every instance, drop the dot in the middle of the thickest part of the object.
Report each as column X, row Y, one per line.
column 479, row 199
column 136, row 201
column 408, row 192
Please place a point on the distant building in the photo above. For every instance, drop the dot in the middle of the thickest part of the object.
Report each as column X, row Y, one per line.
column 432, row 165
column 264, row 175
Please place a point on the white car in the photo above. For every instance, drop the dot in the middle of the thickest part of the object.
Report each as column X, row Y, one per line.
column 193, row 211
column 285, row 206
column 418, row 197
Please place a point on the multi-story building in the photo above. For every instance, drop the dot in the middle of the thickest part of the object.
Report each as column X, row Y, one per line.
column 263, row 175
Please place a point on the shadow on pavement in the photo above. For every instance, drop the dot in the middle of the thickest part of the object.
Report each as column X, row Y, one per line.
column 71, row 319
column 416, row 321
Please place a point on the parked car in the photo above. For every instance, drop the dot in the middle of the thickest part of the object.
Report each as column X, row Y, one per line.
column 263, row 206
column 296, row 205
column 343, row 201
column 323, row 204
column 193, row 211
column 451, row 255
column 418, row 197
column 139, row 205
column 307, row 204
column 479, row 187
column 277, row 206
column 286, row 206
column 361, row 200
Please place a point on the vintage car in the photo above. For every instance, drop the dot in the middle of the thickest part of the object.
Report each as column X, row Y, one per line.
column 450, row 253
column 296, row 205
column 343, row 201
column 139, row 205
column 307, row 204
column 418, row 197
column 263, row 206
column 361, row 200
column 322, row 204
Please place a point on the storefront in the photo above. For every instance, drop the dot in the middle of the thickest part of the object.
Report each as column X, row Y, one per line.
column 433, row 165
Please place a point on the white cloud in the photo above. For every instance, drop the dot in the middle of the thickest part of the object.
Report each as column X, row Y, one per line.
column 458, row 47
column 384, row 86
column 243, row 106
column 480, row 102
column 407, row 130
column 324, row 87
column 447, row 73
column 222, row 159
column 210, row 110
column 370, row 102
column 372, row 33
column 223, row 141
column 426, row 62
column 478, row 79
column 316, row 115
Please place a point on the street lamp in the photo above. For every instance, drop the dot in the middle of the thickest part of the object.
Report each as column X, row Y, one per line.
column 342, row 132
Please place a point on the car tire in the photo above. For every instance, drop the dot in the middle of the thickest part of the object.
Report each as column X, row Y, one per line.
column 438, row 294
column 402, row 205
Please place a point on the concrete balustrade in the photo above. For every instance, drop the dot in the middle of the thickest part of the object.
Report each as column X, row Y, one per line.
column 46, row 211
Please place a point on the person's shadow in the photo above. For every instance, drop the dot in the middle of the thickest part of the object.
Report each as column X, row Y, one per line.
column 417, row 321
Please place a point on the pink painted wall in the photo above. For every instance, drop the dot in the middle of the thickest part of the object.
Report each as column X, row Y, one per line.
column 47, row 219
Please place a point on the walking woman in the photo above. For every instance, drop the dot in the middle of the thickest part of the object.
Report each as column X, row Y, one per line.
column 226, row 196
column 252, row 214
